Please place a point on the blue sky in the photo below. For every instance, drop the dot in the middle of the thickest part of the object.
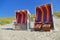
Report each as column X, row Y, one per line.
column 8, row 7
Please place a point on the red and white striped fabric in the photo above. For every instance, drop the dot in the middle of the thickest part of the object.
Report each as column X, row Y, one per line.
column 21, row 16
column 43, row 13
column 18, row 17
column 24, row 16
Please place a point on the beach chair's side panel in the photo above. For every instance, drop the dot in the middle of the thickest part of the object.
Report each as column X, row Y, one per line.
column 28, row 20
column 51, row 19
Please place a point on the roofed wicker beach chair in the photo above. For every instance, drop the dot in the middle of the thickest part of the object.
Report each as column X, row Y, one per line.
column 44, row 17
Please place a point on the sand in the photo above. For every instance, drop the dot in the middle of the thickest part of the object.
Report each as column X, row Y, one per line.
column 30, row 35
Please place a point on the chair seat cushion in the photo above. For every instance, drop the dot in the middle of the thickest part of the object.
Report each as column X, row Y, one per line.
column 46, row 27
column 37, row 27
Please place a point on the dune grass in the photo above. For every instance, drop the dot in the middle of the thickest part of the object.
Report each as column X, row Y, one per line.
column 5, row 21
column 57, row 14
column 32, row 16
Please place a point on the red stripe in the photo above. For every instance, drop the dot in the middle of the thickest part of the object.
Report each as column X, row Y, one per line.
column 39, row 14
column 24, row 17
column 18, row 17
column 47, row 12
column 42, row 13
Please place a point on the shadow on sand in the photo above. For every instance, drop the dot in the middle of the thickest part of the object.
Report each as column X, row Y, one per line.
column 7, row 28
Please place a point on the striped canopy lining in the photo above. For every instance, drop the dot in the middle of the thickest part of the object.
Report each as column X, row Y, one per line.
column 43, row 13
column 38, row 15
column 18, row 17
column 24, row 17
column 21, row 17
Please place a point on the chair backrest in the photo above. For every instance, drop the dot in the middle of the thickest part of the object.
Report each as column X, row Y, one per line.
column 21, row 16
column 44, row 13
